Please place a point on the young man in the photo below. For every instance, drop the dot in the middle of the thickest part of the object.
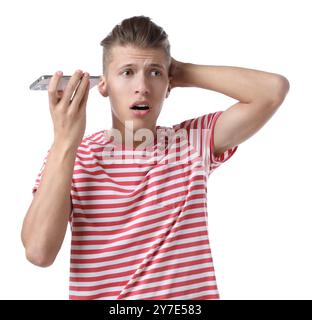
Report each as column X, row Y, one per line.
column 138, row 210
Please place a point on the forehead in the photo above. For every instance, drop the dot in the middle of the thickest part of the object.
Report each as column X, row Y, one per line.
column 122, row 55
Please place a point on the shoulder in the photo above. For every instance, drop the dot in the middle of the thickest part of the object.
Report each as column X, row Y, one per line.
column 205, row 121
column 98, row 137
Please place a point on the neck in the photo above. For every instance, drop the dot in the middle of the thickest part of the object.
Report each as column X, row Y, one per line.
column 130, row 136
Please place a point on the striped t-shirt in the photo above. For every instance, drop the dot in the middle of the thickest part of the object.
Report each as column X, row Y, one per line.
column 139, row 219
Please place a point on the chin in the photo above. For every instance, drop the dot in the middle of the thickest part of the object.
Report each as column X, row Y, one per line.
column 140, row 124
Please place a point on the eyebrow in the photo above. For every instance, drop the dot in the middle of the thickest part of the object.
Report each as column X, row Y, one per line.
column 155, row 65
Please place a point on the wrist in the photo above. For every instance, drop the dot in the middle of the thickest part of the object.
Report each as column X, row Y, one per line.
column 64, row 146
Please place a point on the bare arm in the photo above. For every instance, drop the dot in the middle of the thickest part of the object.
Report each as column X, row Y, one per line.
column 45, row 223
column 46, row 220
column 259, row 93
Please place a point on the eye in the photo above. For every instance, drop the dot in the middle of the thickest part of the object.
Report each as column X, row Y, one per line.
column 156, row 73
column 127, row 72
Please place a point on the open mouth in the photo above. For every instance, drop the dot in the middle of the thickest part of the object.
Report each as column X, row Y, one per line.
column 140, row 107
column 140, row 110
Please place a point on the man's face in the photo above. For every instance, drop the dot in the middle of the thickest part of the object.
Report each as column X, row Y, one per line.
column 136, row 76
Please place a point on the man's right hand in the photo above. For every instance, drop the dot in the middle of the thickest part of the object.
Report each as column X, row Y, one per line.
column 69, row 115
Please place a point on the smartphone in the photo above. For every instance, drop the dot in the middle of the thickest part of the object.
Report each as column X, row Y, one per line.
column 42, row 82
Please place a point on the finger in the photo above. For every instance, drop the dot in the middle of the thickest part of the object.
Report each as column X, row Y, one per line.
column 59, row 94
column 71, row 86
column 81, row 91
column 84, row 100
column 52, row 88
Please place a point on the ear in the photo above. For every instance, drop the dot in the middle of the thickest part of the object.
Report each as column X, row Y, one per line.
column 168, row 92
column 169, row 88
column 102, row 86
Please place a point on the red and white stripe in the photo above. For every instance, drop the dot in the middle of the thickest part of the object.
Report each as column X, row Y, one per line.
column 139, row 227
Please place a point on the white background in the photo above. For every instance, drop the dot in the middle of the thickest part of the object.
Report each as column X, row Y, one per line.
column 260, row 215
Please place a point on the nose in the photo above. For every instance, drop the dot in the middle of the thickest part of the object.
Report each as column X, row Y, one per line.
column 141, row 86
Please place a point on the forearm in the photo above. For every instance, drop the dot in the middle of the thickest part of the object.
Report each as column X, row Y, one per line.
column 242, row 84
column 46, row 221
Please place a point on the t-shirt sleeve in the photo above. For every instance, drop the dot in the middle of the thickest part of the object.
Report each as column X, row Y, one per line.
column 201, row 136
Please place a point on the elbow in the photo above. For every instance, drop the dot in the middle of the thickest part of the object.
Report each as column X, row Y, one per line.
column 36, row 253
column 39, row 259
column 281, row 87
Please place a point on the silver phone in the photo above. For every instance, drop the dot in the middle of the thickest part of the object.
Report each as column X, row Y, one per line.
column 42, row 82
